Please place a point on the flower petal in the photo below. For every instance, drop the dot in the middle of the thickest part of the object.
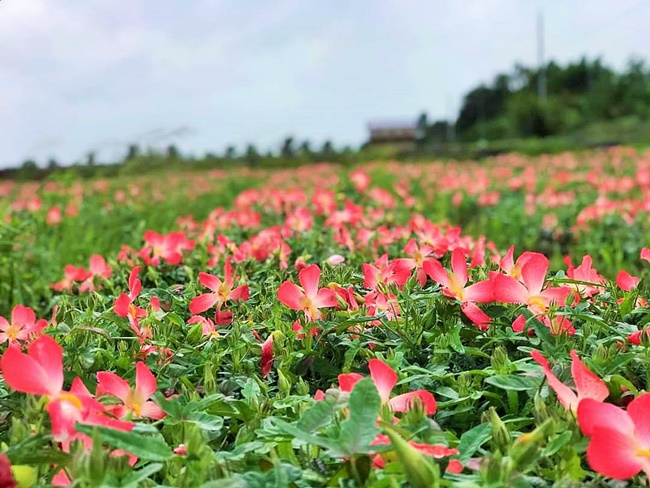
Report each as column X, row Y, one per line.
column 384, row 378
column 587, row 383
column 612, row 453
column 593, row 415
column 108, row 382
column 309, row 278
column 203, row 302
column 145, row 381
column 210, row 281
column 639, row 412
column 290, row 295
column 509, row 290
column 565, row 395
column 459, row 265
column 534, row 272
column 403, row 403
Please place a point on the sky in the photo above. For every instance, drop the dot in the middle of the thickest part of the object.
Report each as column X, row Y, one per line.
column 95, row 75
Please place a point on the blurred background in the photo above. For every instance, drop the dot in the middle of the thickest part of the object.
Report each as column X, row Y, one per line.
column 109, row 87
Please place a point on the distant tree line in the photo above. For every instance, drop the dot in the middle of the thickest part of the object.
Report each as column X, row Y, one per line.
column 290, row 152
column 578, row 95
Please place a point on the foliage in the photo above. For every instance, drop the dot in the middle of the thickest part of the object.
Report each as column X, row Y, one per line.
column 321, row 326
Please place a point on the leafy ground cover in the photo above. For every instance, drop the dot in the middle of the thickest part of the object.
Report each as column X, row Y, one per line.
column 439, row 324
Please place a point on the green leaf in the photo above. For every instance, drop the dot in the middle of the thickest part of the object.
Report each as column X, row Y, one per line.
column 142, row 474
column 471, row 441
column 513, row 382
column 293, row 430
column 205, row 421
column 150, row 448
column 558, row 443
column 318, row 415
column 360, row 429
column 628, row 304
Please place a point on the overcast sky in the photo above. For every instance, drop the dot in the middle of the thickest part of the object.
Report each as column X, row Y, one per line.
column 80, row 75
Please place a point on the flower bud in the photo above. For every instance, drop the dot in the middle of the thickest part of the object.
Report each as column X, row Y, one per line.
column 420, row 472
column 500, row 434
column 500, row 361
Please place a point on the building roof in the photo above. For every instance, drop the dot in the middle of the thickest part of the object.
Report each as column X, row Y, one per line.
column 392, row 131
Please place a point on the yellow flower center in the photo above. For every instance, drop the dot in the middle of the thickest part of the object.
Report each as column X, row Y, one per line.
column 12, row 332
column 134, row 403
column 643, row 452
column 537, row 301
column 70, row 398
column 455, row 288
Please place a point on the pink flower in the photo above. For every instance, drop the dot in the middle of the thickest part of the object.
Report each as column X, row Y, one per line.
column 437, row 451
column 222, row 291
column 23, row 325
column 207, row 326
column 625, row 281
column 124, row 306
column 587, row 384
column 309, row 298
column 335, row 260
column 135, row 399
column 454, row 286
column 267, row 356
column 168, row 247
column 386, row 272
column 98, row 267
column 385, row 379
column 592, row 281
column 529, row 291
column 645, row 254
column 418, row 254
column 619, row 444
column 454, row 283
column 39, row 372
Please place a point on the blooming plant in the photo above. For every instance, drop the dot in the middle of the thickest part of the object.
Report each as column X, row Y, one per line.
column 325, row 326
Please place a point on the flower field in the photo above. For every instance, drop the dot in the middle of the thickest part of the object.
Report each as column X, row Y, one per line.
column 395, row 324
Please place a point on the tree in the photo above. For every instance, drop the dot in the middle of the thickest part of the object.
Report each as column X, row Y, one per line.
column 328, row 152
column 422, row 127
column 305, row 150
column 172, row 152
column 133, row 152
column 287, row 150
column 252, row 156
column 231, row 152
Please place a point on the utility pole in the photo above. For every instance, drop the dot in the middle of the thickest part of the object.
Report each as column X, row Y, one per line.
column 541, row 65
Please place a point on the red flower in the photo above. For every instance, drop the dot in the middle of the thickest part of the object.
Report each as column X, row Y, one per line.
column 222, row 291
column 7, row 479
column 168, row 247
column 529, row 291
column 39, row 372
column 23, row 325
column 437, row 451
column 98, row 267
column 385, row 379
column 135, row 399
column 124, row 306
column 619, row 445
column 267, row 356
column 587, row 384
column 309, row 298
column 454, row 286
column 625, row 281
